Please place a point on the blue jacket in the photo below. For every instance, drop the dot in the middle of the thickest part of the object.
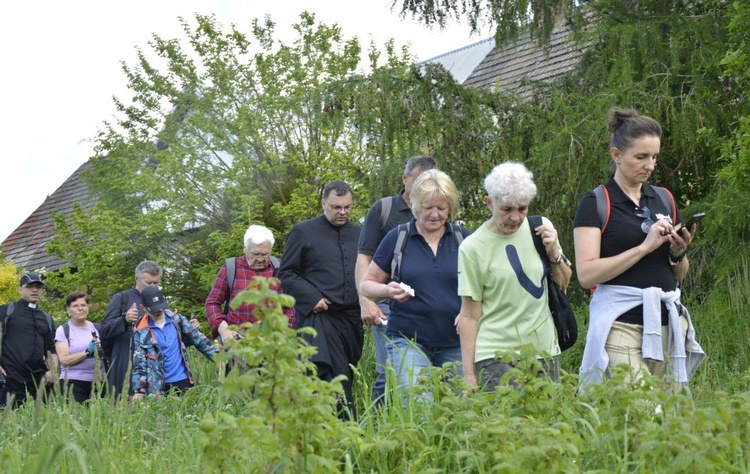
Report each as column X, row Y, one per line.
column 147, row 375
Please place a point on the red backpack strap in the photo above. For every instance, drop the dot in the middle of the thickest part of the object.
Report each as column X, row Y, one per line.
column 667, row 198
column 602, row 205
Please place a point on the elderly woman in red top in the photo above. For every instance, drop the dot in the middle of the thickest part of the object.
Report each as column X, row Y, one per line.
column 257, row 262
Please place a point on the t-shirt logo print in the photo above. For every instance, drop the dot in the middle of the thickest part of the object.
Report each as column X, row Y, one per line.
column 525, row 282
column 665, row 217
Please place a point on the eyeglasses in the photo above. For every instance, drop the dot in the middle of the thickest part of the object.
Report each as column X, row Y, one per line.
column 340, row 208
column 644, row 214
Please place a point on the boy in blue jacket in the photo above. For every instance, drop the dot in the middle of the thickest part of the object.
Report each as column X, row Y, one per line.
column 160, row 363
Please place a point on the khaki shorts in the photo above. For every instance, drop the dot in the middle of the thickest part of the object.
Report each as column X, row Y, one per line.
column 624, row 346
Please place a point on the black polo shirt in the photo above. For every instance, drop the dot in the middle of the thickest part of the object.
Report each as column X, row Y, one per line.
column 372, row 233
column 26, row 341
column 624, row 232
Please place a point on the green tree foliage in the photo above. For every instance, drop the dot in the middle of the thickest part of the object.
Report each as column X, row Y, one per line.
column 9, row 278
column 255, row 131
column 227, row 129
column 730, row 207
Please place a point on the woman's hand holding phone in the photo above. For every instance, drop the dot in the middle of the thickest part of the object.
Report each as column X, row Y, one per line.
column 693, row 219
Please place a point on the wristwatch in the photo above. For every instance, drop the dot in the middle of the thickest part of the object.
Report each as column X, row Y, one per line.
column 676, row 259
column 561, row 258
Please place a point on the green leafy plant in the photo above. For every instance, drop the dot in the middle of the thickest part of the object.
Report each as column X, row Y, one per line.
column 287, row 421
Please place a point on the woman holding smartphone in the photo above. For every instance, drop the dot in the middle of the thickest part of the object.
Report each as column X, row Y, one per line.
column 635, row 260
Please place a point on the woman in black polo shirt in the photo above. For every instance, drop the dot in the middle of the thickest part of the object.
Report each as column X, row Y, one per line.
column 635, row 260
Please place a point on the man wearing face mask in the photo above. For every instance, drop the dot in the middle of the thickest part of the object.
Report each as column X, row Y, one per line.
column 27, row 340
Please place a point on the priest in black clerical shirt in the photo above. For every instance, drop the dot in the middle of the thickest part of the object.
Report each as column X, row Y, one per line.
column 27, row 344
column 317, row 268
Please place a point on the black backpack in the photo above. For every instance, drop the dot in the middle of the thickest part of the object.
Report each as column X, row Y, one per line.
column 562, row 313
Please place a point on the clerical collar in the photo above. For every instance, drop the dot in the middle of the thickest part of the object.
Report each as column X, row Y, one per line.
column 32, row 305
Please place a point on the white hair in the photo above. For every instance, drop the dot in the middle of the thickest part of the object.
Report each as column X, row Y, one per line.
column 258, row 234
column 510, row 184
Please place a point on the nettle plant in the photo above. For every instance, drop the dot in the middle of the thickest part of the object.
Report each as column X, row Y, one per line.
column 278, row 418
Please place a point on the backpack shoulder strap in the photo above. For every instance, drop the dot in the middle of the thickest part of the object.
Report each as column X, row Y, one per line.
column 534, row 222
column 602, row 205
column 403, row 233
column 667, row 198
column 276, row 264
column 50, row 322
column 4, row 323
column 231, row 264
column 123, row 301
column 66, row 331
column 8, row 311
column 12, row 306
column 457, row 234
column 386, row 204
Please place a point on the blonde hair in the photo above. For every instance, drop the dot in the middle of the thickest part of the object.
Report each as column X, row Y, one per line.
column 432, row 183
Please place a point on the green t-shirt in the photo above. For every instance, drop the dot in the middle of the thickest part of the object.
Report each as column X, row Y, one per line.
column 505, row 273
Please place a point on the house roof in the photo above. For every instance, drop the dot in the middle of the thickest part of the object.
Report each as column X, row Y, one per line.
column 513, row 67
column 26, row 247
column 461, row 62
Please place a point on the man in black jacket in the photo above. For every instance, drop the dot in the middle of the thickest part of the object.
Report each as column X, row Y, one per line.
column 124, row 310
column 27, row 343
column 318, row 270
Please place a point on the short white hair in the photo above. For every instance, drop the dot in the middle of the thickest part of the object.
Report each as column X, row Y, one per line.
column 510, row 184
column 258, row 234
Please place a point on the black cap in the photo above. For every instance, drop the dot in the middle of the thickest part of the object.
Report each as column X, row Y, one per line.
column 31, row 278
column 153, row 300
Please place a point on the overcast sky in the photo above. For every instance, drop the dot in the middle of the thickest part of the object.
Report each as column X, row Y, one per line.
column 62, row 67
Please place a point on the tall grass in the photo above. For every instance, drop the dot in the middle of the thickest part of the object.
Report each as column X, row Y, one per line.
column 280, row 422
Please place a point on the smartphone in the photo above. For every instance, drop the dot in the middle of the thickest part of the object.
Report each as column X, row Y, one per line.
column 693, row 219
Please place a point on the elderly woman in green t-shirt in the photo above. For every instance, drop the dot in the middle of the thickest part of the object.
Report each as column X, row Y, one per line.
column 501, row 282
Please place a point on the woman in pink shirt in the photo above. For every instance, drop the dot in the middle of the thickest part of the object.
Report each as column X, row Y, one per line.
column 77, row 350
